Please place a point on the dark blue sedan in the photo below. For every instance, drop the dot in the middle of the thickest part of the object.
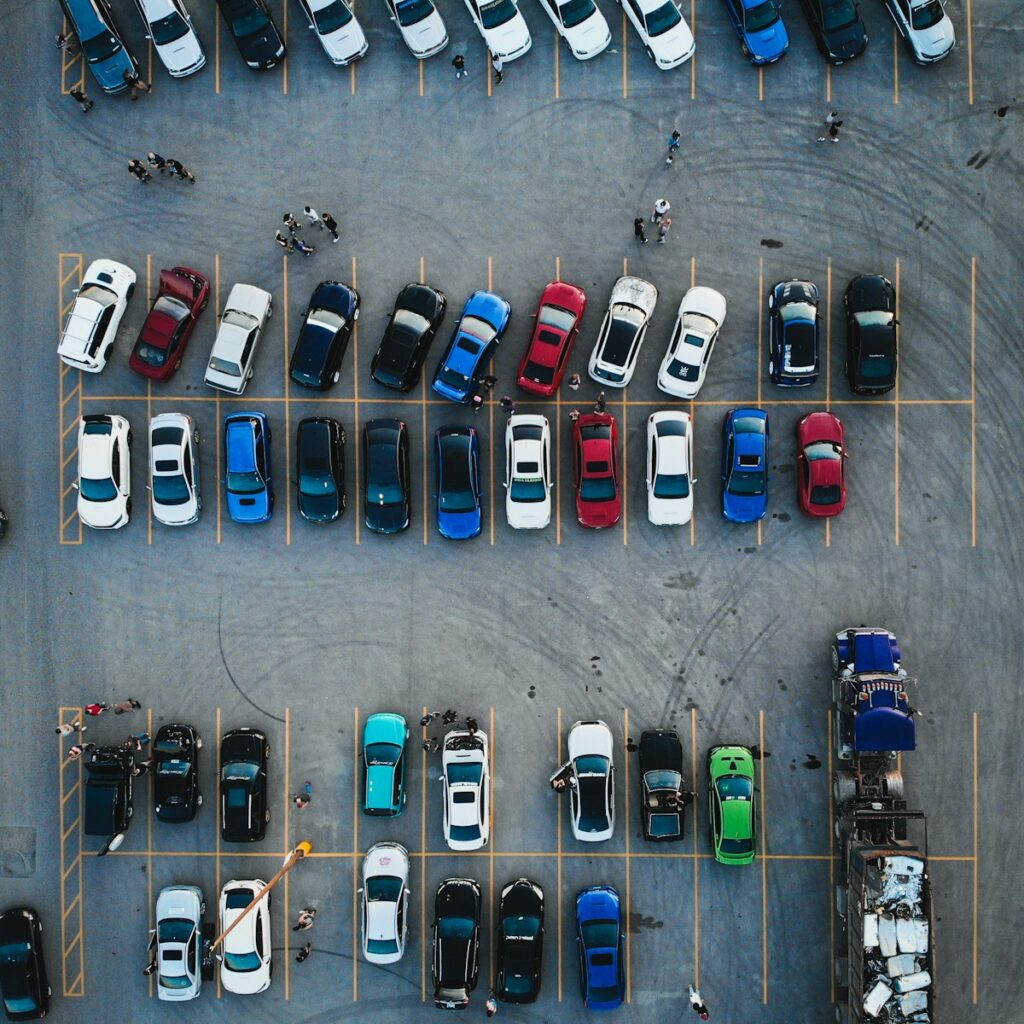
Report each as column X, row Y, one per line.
column 247, row 484
column 793, row 335
column 599, row 943
column 745, row 465
column 474, row 341
column 759, row 25
column 324, row 335
column 457, row 462
column 102, row 44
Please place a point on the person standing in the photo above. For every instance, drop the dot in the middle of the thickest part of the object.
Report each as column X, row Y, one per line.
column 138, row 169
column 574, row 415
column 661, row 207
column 284, row 242
column 497, row 66
column 663, row 229
column 831, row 118
column 638, row 230
column 698, row 1004
column 178, row 168
column 833, row 132
column 78, row 95
column 303, row 953
column 476, row 402
column 313, row 217
column 157, row 161
column 136, row 84
column 67, row 728
column 304, row 247
column 508, row 405
column 67, row 44
column 305, row 919
column 491, row 1005
column 331, row 224
column 290, row 222
column 459, row 63
column 574, row 378
column 673, row 141
column 599, row 405
column 488, row 381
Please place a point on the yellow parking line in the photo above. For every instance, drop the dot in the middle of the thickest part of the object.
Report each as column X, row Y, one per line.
column 79, row 978
column 558, row 825
column 696, row 859
column 421, row 77
column 625, row 60
column 558, row 92
column 490, row 369
column 970, row 67
column 828, row 83
column 423, row 864
column 895, row 66
column 287, row 405
column 70, row 792
column 693, row 59
column 216, row 89
column 74, row 903
column 355, row 855
column 71, row 516
column 896, row 427
column 73, row 452
column 764, row 869
column 628, row 829
column 490, row 859
column 355, row 385
column 974, row 411
column 760, row 82
column 74, row 942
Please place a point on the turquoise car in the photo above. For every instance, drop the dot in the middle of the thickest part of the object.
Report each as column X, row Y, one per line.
column 384, row 737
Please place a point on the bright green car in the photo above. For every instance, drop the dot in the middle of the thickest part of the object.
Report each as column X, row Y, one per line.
column 731, row 804
column 384, row 737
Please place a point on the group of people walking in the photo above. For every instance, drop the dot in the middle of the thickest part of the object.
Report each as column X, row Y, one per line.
column 172, row 168
column 292, row 243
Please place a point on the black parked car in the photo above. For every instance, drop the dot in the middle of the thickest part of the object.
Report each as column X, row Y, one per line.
column 108, row 794
column 386, row 461
column 176, row 793
column 321, row 467
column 456, row 963
column 793, row 334
column 837, row 27
column 243, row 786
column 103, row 46
column 872, row 334
column 323, row 338
column 398, row 362
column 254, row 32
column 26, row 991
column 661, row 785
column 520, row 942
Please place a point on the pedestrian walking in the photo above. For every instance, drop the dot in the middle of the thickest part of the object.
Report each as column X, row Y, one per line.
column 638, row 230
column 663, row 229
column 305, row 919
column 95, row 710
column 81, row 99
column 669, row 159
column 303, row 953
column 661, row 207
column 698, row 1004
column 157, row 161
column 313, row 217
column 331, row 224
column 508, row 405
column 574, row 382
column 307, row 789
column 75, row 752
column 141, row 767
column 301, row 801
column 178, row 168
column 432, row 745
column 673, row 141
column 600, row 403
column 284, row 242
column 831, row 118
column 138, row 169
column 429, row 717
column 67, row 728
column 125, row 707
column 491, row 1006
column 303, row 247
column 290, row 222
column 476, row 402
column 489, row 381
column 574, row 415
column 498, row 76
column 139, row 739
column 136, row 83
column 459, row 63
column 833, row 132
column 472, row 726
column 449, row 717
column 67, row 44
column 150, row 968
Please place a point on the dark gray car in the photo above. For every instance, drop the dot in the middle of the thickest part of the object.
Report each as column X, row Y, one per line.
column 103, row 46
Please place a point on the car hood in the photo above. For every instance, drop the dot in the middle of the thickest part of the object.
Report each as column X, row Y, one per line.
column 387, row 518
column 110, row 72
column 591, row 37
column 385, row 728
column 488, row 306
column 847, row 42
column 936, row 39
column 459, row 525
column 744, row 508
column 673, row 44
column 670, row 511
column 635, row 291
column 705, row 301
column 429, row 34
column 511, row 38
column 770, row 42
column 182, row 53
column 247, row 298
column 590, row 738
column 349, row 41
column 321, row 508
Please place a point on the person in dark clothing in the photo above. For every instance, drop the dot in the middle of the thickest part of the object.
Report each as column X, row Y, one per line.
column 82, row 100
column 304, row 247
column 331, row 224
column 178, row 168
column 157, row 161
column 137, row 168
column 471, row 725
column 304, row 953
column 449, row 717
column 489, row 381
column 459, row 63
column 638, row 230
column 290, row 222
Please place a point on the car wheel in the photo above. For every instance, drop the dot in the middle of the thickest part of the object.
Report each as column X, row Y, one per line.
column 195, row 436
column 199, row 504
column 129, row 438
column 131, row 291
column 270, row 312
column 128, row 507
column 202, row 908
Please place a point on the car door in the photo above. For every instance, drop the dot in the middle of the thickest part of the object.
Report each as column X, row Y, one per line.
column 735, row 9
column 260, row 450
column 247, row 354
column 547, row 460
column 727, row 456
column 401, row 917
column 652, row 460
column 552, row 7
column 636, row 16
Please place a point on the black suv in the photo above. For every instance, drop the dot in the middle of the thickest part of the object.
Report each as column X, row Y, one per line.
column 398, row 362
column 102, row 44
column 520, row 942
column 872, row 334
column 176, row 773
column 243, row 786
column 108, row 794
column 456, row 963
column 254, row 32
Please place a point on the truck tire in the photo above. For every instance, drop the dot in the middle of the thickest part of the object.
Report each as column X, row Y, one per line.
column 892, row 783
column 844, row 787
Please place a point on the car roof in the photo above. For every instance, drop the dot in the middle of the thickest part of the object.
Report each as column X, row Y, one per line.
column 241, row 445
column 95, row 455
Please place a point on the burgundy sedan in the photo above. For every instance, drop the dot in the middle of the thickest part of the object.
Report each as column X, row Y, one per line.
column 164, row 336
column 821, row 465
column 595, row 446
column 558, row 322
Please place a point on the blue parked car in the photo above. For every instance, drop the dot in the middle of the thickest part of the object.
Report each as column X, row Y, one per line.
column 793, row 334
column 103, row 46
column 457, row 462
column 474, row 340
column 384, row 738
column 745, row 465
column 759, row 25
column 599, row 943
column 247, row 483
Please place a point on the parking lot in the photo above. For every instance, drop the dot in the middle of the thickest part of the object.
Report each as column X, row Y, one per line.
column 716, row 630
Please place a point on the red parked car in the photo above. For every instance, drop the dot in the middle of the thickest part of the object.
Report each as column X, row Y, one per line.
column 821, row 464
column 558, row 322
column 595, row 448
column 164, row 336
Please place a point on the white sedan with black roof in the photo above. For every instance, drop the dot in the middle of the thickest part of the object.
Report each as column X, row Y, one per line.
column 622, row 332
column 591, row 781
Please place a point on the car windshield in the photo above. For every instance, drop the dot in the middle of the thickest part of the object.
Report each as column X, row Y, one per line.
column 464, row 833
column 242, row 963
column 661, row 20
column 332, row 17
column 174, row 929
column 467, row 773
column 822, row 450
column 171, row 490
column 474, row 325
column 457, row 501
column 528, row 489
column 97, row 490
column 150, row 355
column 243, row 771
column 736, row 846
column 671, row 485
column 734, row 787
column 244, row 483
column 747, row 482
column 554, row 316
column 377, row 754
column 383, row 889
column 410, row 12
column 225, row 366
column 597, row 488
column 664, row 825
column 876, row 366
column 497, row 13
column 763, row 16
column 250, row 23
column 521, row 927
column 600, row 934
column 381, row 946
column 100, row 48
column 455, row 928
column 926, row 15
column 663, row 780
column 175, row 981
column 626, row 321
column 838, row 15
column 537, row 373
column 825, row 495
column 315, row 479
column 683, row 371
column 167, row 29
column 574, row 13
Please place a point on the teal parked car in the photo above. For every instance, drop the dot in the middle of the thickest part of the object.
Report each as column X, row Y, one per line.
column 384, row 738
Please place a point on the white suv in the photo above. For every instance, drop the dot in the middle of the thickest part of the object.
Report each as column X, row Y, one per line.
column 234, row 349
column 91, row 326
column 104, row 481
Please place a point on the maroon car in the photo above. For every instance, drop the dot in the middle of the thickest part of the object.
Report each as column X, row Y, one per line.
column 821, row 470
column 163, row 339
column 595, row 444
column 558, row 322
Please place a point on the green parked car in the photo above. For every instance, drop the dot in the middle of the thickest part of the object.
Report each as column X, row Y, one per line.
column 384, row 737
column 731, row 804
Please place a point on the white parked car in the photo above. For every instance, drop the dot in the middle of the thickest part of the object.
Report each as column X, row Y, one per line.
column 91, row 326
column 591, row 782
column 700, row 318
column 925, row 26
column 617, row 348
column 663, row 31
column 173, row 35
column 336, row 27
column 581, row 24
column 467, row 782
column 179, row 942
column 421, row 26
column 174, row 469
column 234, row 349
column 385, row 903
column 104, row 481
column 669, row 468
column 528, row 472
column 245, row 953
column 502, row 26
